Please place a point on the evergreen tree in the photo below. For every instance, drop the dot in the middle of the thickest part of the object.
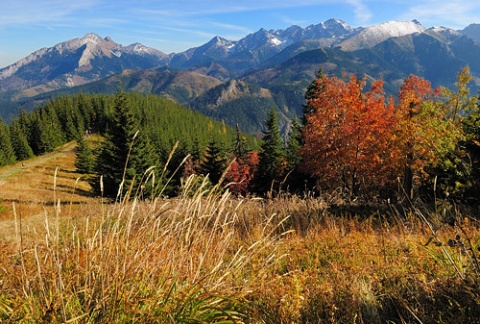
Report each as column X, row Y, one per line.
column 294, row 144
column 19, row 141
column 84, row 162
column 213, row 162
column 126, row 153
column 85, row 111
column 45, row 130
column 295, row 179
column 7, row 154
column 313, row 90
column 25, row 127
column 70, row 129
column 271, row 158
column 454, row 175
column 195, row 151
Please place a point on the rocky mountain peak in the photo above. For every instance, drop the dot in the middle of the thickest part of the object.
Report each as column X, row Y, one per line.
column 473, row 31
column 91, row 40
column 79, row 60
column 336, row 24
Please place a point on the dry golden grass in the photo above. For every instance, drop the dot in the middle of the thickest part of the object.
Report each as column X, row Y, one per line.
column 35, row 186
column 208, row 257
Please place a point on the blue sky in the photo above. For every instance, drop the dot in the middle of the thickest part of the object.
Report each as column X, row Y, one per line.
column 176, row 25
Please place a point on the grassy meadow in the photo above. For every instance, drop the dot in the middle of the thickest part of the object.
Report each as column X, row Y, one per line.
column 209, row 257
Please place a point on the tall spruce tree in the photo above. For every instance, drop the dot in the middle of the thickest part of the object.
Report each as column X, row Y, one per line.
column 314, row 89
column 295, row 179
column 126, row 154
column 84, row 162
column 46, row 131
column 7, row 154
column 19, row 141
column 271, row 158
column 294, row 144
column 213, row 162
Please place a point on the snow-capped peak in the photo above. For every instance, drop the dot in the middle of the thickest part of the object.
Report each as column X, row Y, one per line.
column 444, row 30
column 395, row 29
column 139, row 48
column 219, row 41
column 333, row 23
column 90, row 39
column 94, row 38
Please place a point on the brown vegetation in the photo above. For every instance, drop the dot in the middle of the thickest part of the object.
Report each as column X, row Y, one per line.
column 208, row 257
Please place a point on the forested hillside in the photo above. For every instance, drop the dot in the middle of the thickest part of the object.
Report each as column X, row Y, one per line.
column 160, row 122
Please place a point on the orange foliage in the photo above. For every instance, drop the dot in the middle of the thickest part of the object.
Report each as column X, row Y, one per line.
column 238, row 177
column 240, row 174
column 346, row 135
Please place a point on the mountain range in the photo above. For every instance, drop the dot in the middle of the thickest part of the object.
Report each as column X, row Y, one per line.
column 240, row 81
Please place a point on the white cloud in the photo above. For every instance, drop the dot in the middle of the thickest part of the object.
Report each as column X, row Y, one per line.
column 362, row 13
column 33, row 12
column 194, row 7
column 450, row 13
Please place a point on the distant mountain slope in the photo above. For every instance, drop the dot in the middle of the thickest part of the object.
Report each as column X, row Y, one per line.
column 74, row 62
column 179, row 86
column 425, row 54
column 472, row 31
column 254, row 49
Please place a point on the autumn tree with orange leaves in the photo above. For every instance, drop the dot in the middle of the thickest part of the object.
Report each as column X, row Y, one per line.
column 347, row 135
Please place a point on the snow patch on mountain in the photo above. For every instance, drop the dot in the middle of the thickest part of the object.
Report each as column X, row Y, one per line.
column 76, row 43
column 395, row 29
column 448, row 32
column 116, row 53
column 219, row 41
column 87, row 57
column 336, row 23
column 373, row 35
column 76, row 61
column 275, row 41
column 138, row 48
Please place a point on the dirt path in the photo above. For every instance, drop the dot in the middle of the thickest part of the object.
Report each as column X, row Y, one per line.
column 13, row 170
column 32, row 190
column 43, row 180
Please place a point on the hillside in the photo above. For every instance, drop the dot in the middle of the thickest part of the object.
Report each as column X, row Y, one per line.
column 179, row 86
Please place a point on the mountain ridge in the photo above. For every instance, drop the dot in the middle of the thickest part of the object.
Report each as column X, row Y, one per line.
column 265, row 68
column 331, row 30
